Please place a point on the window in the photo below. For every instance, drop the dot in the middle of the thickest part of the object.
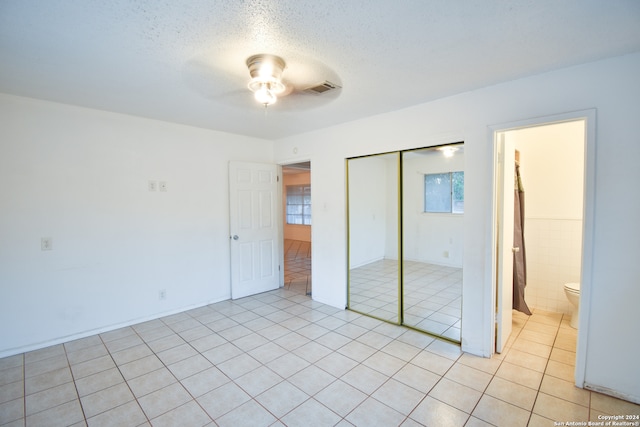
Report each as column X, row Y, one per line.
column 444, row 192
column 299, row 204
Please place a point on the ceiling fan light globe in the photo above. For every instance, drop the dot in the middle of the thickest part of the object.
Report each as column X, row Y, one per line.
column 276, row 87
column 265, row 96
column 255, row 85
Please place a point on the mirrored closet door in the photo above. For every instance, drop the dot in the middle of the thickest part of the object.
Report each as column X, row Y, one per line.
column 405, row 219
column 432, row 239
column 374, row 273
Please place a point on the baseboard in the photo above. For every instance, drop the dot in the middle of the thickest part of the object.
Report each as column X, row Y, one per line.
column 612, row 393
column 88, row 333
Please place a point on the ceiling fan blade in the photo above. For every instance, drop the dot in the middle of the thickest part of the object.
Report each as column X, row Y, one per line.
column 304, row 100
column 207, row 80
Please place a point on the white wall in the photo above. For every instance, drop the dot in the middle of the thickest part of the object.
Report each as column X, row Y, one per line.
column 552, row 170
column 610, row 86
column 80, row 177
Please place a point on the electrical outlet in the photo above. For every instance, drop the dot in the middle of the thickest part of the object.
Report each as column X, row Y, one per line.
column 162, row 294
column 162, row 185
column 153, row 186
column 445, row 254
column 46, row 243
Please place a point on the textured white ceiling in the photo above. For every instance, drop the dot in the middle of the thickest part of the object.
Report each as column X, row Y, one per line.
column 184, row 61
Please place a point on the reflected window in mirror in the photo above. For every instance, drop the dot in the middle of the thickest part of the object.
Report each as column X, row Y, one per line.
column 444, row 192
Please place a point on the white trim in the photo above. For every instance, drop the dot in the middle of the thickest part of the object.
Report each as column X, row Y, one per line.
column 589, row 116
column 280, row 219
column 587, row 246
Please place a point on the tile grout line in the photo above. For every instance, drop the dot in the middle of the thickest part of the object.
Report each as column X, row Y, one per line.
column 75, row 385
column 541, row 379
column 199, row 353
column 214, row 365
column 332, row 382
column 231, row 379
column 436, row 384
column 544, row 373
column 24, row 380
column 483, row 391
column 555, row 338
column 24, row 387
column 135, row 398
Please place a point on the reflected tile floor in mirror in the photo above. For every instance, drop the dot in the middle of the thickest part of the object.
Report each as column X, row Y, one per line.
column 432, row 295
column 373, row 289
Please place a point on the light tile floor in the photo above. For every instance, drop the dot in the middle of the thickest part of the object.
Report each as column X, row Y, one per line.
column 279, row 358
column 432, row 295
column 297, row 266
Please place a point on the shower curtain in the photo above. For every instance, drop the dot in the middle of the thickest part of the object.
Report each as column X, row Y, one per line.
column 519, row 258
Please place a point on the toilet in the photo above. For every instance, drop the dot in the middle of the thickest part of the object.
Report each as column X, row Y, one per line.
column 572, row 291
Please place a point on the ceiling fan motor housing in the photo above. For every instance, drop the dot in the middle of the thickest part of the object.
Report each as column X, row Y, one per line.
column 266, row 69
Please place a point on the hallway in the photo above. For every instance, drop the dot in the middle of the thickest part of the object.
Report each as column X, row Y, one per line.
column 297, row 266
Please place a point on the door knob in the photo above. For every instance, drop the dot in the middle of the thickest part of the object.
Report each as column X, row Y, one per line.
column 235, row 237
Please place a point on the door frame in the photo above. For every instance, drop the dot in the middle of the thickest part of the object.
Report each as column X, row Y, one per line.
column 503, row 190
column 589, row 117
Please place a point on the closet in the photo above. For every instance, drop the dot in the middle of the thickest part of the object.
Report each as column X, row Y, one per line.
column 405, row 237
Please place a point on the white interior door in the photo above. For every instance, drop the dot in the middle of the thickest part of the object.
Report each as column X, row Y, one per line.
column 254, row 228
column 505, row 210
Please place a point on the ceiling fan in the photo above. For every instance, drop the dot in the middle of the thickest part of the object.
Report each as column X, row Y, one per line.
column 267, row 84
column 299, row 83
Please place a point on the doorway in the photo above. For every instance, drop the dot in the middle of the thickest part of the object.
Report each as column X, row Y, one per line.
column 556, row 169
column 297, row 219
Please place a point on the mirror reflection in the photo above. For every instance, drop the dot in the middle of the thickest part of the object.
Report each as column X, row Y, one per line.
column 426, row 293
column 373, row 236
column 432, row 221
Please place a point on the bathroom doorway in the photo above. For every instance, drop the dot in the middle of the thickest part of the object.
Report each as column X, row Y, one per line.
column 553, row 168
column 297, row 219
